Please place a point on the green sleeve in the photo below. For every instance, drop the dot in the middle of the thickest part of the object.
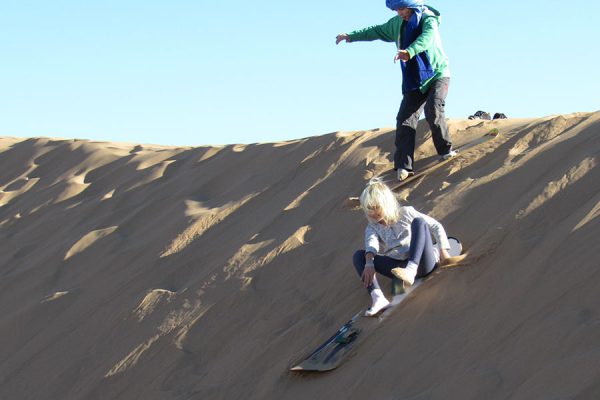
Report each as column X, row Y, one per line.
column 425, row 40
column 387, row 32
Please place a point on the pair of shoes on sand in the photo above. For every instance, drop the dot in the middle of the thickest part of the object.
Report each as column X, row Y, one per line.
column 408, row 275
column 485, row 115
column 403, row 174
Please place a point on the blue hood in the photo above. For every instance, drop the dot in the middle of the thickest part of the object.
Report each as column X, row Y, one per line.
column 396, row 4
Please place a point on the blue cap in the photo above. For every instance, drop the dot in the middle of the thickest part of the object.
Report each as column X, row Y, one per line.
column 396, row 4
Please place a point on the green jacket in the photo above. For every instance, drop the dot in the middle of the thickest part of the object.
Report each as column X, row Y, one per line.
column 429, row 41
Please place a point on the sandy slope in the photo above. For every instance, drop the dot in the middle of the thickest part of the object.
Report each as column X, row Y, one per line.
column 202, row 273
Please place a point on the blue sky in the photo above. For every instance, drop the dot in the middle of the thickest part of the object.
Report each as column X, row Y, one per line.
column 200, row 72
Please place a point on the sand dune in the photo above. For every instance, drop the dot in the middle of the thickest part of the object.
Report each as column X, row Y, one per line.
column 156, row 272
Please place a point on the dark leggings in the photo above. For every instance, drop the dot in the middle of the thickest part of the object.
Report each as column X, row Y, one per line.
column 421, row 253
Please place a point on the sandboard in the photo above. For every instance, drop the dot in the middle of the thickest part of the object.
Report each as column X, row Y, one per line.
column 433, row 164
column 336, row 348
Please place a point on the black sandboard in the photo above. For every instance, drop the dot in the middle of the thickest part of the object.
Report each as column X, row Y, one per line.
column 336, row 349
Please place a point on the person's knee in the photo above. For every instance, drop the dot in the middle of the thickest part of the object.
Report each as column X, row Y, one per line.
column 434, row 111
column 407, row 124
column 418, row 222
column 418, row 226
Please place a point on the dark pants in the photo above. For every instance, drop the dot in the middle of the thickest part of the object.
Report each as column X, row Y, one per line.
column 421, row 253
column 413, row 103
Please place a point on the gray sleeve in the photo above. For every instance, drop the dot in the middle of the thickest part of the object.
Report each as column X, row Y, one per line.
column 371, row 240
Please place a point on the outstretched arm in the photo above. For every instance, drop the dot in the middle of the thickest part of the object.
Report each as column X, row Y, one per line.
column 387, row 32
column 341, row 37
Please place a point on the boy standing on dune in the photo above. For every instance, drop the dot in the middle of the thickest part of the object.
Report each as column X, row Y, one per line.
column 425, row 76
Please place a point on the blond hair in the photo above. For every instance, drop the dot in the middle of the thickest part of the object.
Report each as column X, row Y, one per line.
column 378, row 197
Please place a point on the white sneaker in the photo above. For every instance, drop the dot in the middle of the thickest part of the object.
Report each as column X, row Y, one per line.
column 449, row 154
column 403, row 174
column 379, row 303
column 407, row 275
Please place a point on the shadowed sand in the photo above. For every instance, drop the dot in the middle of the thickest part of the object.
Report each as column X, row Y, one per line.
column 155, row 272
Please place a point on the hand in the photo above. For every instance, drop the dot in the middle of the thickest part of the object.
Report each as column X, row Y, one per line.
column 444, row 255
column 342, row 37
column 368, row 275
column 446, row 260
column 402, row 55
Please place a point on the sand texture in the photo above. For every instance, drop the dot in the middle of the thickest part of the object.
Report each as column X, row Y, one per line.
column 155, row 272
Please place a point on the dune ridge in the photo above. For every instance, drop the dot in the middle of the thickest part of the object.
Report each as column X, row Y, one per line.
column 157, row 272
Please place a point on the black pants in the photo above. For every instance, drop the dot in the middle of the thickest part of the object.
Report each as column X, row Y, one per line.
column 413, row 103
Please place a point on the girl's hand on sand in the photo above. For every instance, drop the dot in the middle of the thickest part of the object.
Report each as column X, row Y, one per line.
column 341, row 37
column 444, row 255
column 448, row 261
column 368, row 275
column 402, row 55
